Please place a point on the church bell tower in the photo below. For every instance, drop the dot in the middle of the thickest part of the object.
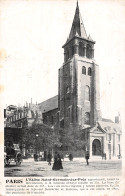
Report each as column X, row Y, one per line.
column 79, row 93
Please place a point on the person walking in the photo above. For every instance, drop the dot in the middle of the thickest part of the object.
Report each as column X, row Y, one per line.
column 49, row 157
column 87, row 157
column 59, row 161
column 57, row 165
column 55, row 162
column 70, row 156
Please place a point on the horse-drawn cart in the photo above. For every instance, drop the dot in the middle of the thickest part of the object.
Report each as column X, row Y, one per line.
column 12, row 154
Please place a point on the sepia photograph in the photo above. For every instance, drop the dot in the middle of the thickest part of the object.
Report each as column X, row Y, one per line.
column 62, row 68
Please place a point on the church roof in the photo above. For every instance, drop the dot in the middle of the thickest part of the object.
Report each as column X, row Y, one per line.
column 49, row 104
column 77, row 25
column 110, row 127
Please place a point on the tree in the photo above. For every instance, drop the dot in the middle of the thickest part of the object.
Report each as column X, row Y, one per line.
column 72, row 139
column 38, row 136
column 54, row 138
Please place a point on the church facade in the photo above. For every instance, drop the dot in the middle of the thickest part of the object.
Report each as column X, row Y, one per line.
column 77, row 105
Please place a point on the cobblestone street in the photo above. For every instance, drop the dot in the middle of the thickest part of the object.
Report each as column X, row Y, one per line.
column 77, row 167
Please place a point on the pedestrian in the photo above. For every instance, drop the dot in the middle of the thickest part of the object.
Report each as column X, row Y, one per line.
column 55, row 162
column 49, row 157
column 87, row 157
column 34, row 157
column 70, row 156
column 57, row 165
column 59, row 161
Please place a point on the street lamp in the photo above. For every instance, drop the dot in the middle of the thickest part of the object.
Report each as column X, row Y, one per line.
column 52, row 141
column 36, row 142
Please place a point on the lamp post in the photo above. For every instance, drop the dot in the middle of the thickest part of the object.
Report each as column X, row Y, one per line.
column 52, row 141
column 36, row 141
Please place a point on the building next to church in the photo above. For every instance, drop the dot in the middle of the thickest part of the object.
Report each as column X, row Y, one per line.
column 77, row 105
column 15, row 120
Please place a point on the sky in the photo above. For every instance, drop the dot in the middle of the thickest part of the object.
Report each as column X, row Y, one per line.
column 32, row 34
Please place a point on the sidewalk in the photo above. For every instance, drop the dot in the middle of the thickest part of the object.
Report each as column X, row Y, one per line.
column 78, row 159
column 77, row 167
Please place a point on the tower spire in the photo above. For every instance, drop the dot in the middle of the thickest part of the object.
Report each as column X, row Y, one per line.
column 77, row 4
column 77, row 25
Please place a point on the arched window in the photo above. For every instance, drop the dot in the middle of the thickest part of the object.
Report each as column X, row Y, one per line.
column 84, row 70
column 87, row 118
column 81, row 49
column 89, row 52
column 89, row 71
column 87, row 93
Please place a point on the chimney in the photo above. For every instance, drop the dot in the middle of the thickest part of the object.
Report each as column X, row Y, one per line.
column 117, row 118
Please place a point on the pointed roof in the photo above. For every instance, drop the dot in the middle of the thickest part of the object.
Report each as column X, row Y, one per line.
column 77, row 25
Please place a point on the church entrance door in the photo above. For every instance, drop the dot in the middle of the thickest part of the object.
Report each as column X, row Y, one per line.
column 96, row 147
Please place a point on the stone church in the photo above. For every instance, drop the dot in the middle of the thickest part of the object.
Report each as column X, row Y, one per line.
column 78, row 101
